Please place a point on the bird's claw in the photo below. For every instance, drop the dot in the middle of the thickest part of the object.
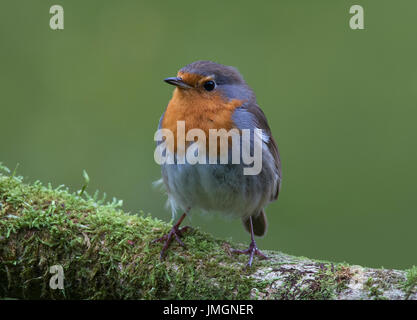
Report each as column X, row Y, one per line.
column 251, row 251
column 175, row 232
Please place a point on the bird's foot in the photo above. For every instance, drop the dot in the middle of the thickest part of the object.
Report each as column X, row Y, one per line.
column 251, row 251
column 174, row 233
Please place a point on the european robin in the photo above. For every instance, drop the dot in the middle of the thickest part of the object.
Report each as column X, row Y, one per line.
column 211, row 96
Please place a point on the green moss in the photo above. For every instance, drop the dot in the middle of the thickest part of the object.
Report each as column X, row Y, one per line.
column 410, row 285
column 105, row 252
column 375, row 288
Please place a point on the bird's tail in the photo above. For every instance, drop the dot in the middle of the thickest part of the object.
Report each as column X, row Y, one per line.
column 259, row 222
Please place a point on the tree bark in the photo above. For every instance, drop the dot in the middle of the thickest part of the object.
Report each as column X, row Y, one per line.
column 301, row 278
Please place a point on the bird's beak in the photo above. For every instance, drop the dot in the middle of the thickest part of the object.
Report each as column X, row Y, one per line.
column 177, row 81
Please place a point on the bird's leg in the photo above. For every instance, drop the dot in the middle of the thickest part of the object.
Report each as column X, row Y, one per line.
column 253, row 249
column 175, row 232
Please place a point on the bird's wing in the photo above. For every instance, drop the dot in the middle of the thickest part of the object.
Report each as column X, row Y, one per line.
column 250, row 116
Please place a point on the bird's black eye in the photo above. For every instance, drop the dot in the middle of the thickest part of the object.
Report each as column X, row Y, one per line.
column 209, row 85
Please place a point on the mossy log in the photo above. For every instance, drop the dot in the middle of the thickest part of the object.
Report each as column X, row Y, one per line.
column 106, row 253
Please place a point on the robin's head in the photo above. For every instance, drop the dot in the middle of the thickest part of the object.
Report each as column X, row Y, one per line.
column 207, row 79
column 206, row 97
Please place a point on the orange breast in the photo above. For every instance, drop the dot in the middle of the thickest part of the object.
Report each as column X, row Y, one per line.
column 202, row 110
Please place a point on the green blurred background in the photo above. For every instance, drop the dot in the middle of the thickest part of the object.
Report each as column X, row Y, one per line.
column 341, row 104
